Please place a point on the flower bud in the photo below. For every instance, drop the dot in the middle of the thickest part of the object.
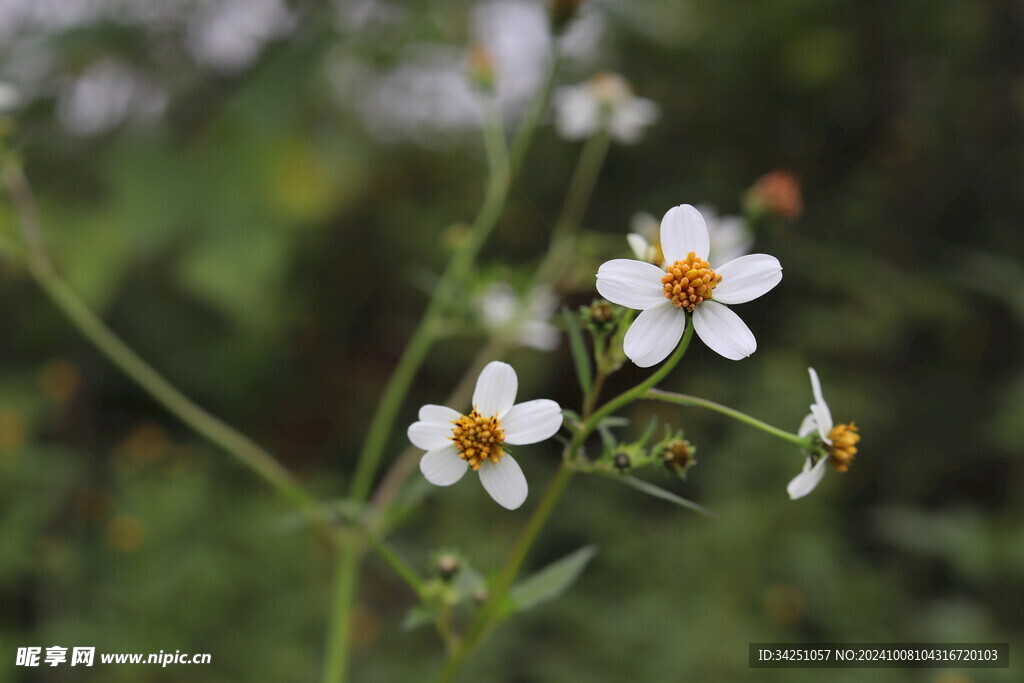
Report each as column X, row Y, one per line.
column 599, row 316
column 678, row 454
column 480, row 69
column 776, row 194
column 481, row 595
column 448, row 566
column 622, row 461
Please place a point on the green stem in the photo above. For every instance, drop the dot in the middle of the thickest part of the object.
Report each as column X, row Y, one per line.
column 581, row 187
column 639, row 390
column 490, row 613
column 161, row 390
column 381, row 426
column 244, row 449
column 494, row 136
column 687, row 400
column 595, row 393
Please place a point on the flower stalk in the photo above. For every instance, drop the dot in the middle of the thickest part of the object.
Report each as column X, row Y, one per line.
column 687, row 400
column 382, row 423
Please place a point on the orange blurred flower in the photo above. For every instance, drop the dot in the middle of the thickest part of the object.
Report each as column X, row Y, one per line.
column 777, row 193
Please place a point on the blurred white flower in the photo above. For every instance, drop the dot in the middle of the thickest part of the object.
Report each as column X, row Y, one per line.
column 456, row 442
column 10, row 97
column 528, row 319
column 107, row 94
column 606, row 101
column 644, row 240
column 840, row 442
column 688, row 285
column 230, row 34
column 427, row 97
column 729, row 235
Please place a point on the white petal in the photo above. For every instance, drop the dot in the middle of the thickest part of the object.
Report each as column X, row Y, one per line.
column 747, row 278
column 629, row 283
column 821, row 411
column 504, row 481
column 430, row 435
column 495, row 389
column 806, row 481
column 576, row 114
column 443, row 466
column 531, row 422
column 540, row 335
column 654, row 334
column 808, row 426
column 432, row 413
column 723, row 331
column 730, row 238
column 682, row 231
column 824, row 421
column 638, row 244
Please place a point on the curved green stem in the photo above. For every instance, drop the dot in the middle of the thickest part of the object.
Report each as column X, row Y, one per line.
column 489, row 615
column 381, row 426
column 244, row 449
column 687, row 400
column 577, row 197
column 638, row 391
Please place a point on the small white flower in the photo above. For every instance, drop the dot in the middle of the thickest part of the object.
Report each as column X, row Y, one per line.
column 729, row 235
column 688, row 284
column 605, row 101
column 840, row 442
column 455, row 442
column 527, row 319
column 10, row 98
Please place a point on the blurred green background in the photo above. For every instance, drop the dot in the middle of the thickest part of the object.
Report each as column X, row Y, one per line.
column 258, row 195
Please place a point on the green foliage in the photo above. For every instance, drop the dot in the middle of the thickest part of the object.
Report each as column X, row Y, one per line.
column 551, row 581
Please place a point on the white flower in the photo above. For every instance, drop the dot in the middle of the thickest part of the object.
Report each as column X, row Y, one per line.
column 605, row 101
column 840, row 442
column 426, row 96
column 528, row 319
column 690, row 284
column 729, row 235
column 454, row 442
column 10, row 98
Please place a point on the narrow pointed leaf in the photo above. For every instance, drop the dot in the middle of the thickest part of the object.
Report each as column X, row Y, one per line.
column 417, row 616
column 579, row 351
column 658, row 492
column 551, row 581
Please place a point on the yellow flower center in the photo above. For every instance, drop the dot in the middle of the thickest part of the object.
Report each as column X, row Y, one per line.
column 843, row 450
column 478, row 438
column 689, row 282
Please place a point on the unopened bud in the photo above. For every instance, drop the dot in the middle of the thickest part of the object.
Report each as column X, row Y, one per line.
column 678, row 455
column 599, row 315
column 777, row 194
column 601, row 311
column 480, row 69
column 447, row 566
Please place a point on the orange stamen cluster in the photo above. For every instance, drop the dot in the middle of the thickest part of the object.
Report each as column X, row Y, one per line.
column 689, row 282
column 844, row 440
column 478, row 438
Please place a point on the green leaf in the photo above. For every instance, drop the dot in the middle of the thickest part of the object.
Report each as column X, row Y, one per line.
column 658, row 492
column 417, row 616
column 468, row 582
column 579, row 351
column 551, row 581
